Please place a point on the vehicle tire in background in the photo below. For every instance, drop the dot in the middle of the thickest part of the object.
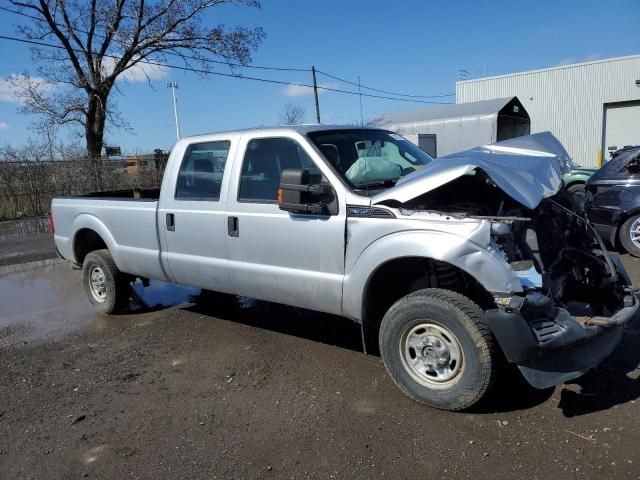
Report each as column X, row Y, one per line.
column 106, row 287
column 577, row 191
column 577, row 188
column 629, row 235
column 438, row 350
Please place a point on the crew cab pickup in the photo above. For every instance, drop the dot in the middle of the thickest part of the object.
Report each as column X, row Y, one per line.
column 449, row 266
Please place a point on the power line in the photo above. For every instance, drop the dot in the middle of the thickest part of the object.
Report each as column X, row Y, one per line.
column 256, row 67
column 208, row 60
column 383, row 91
column 232, row 75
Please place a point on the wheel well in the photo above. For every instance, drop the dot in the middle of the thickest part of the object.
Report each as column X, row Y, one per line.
column 85, row 242
column 402, row 276
column 575, row 182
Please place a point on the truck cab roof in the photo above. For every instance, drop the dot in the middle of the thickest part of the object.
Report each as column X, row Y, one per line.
column 301, row 129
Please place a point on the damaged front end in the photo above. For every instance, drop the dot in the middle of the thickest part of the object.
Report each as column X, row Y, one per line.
column 576, row 297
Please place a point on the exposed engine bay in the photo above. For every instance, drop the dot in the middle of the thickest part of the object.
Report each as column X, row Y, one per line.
column 552, row 249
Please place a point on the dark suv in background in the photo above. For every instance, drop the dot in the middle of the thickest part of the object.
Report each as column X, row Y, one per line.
column 613, row 200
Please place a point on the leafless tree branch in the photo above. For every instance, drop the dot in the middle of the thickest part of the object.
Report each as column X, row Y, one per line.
column 126, row 33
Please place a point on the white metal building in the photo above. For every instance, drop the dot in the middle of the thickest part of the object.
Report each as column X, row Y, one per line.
column 446, row 129
column 591, row 107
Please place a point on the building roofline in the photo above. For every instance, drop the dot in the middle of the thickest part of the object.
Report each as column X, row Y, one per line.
column 457, row 111
column 547, row 69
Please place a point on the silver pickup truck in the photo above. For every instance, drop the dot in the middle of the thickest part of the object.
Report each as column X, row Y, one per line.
column 450, row 266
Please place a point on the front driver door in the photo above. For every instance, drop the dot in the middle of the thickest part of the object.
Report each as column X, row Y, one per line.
column 283, row 257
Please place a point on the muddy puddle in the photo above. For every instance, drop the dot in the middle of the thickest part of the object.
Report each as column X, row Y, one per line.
column 44, row 300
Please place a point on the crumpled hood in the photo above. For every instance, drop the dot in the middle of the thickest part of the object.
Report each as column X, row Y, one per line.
column 527, row 169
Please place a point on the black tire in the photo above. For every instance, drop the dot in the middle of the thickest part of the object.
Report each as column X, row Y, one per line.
column 116, row 284
column 577, row 196
column 450, row 312
column 624, row 235
column 577, row 188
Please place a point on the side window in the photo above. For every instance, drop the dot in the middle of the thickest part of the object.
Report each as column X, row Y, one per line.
column 633, row 167
column 200, row 175
column 263, row 163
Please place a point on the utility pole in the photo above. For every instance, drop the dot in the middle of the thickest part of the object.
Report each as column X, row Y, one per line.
column 173, row 86
column 360, row 95
column 315, row 93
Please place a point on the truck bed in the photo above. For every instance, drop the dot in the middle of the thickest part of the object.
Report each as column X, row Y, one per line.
column 125, row 220
column 124, row 194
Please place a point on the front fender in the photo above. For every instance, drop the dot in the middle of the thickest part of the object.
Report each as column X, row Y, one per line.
column 487, row 267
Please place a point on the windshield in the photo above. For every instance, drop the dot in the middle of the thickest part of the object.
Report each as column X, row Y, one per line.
column 622, row 165
column 368, row 158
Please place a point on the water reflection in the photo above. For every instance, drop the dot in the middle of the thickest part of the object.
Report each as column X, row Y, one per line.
column 43, row 300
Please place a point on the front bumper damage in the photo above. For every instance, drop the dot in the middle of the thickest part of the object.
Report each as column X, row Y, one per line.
column 548, row 344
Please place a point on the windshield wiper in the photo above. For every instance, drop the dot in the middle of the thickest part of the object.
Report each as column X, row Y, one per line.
column 387, row 182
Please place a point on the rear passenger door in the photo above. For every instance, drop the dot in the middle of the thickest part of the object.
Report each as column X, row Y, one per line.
column 192, row 216
column 291, row 258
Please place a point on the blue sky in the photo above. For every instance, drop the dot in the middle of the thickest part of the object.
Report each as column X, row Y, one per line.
column 410, row 46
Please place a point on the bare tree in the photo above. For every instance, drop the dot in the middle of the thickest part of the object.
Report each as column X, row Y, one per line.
column 101, row 40
column 292, row 114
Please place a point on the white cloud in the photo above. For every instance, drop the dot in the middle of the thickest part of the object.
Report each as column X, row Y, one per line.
column 4, row 125
column 566, row 61
column 8, row 92
column 592, row 57
column 140, row 72
column 589, row 58
column 297, row 90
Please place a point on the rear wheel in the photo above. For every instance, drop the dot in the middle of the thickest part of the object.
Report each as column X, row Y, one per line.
column 438, row 350
column 629, row 235
column 106, row 287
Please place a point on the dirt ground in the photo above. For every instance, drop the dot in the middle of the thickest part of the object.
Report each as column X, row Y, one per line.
column 211, row 389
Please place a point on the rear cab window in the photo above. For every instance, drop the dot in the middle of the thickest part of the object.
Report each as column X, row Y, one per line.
column 201, row 171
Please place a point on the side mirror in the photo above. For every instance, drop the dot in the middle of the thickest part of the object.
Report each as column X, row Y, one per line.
column 297, row 194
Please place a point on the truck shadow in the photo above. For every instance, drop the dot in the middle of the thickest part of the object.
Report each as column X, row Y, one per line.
column 601, row 389
column 510, row 393
column 319, row 327
column 616, row 381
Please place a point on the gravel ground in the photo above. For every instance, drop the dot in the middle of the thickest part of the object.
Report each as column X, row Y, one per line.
column 214, row 389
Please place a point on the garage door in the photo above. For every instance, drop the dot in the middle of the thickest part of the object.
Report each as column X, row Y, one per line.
column 622, row 126
column 428, row 143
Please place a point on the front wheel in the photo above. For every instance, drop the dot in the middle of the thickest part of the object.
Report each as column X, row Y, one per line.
column 438, row 350
column 106, row 287
column 629, row 235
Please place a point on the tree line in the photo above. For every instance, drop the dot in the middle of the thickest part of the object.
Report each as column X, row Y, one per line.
column 30, row 178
